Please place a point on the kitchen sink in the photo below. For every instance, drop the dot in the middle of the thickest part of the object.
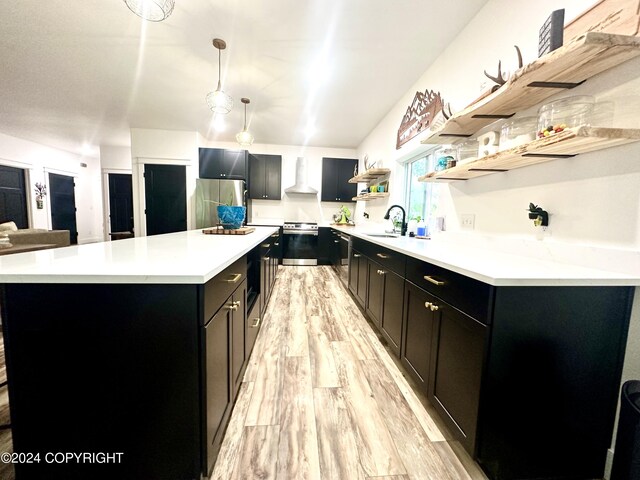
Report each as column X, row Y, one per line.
column 384, row 235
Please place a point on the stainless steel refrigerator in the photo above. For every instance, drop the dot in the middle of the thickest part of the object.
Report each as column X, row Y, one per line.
column 211, row 193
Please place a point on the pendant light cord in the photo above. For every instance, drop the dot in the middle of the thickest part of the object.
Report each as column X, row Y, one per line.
column 219, row 70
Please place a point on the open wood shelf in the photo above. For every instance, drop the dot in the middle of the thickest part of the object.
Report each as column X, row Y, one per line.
column 566, row 67
column 568, row 143
column 371, row 174
column 371, row 196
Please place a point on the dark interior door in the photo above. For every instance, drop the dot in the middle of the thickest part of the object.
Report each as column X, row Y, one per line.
column 120, row 202
column 13, row 197
column 166, row 198
column 63, row 205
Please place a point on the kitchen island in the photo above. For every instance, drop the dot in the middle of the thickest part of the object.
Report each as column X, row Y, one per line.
column 127, row 351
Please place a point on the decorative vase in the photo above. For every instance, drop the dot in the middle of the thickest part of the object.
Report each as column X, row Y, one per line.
column 231, row 216
column 39, row 204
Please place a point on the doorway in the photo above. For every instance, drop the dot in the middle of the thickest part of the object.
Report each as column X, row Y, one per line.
column 13, row 197
column 120, row 203
column 63, row 205
column 165, row 198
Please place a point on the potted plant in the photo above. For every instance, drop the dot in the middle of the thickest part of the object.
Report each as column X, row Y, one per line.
column 41, row 192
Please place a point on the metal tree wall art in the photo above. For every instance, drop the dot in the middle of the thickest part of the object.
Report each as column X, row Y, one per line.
column 419, row 115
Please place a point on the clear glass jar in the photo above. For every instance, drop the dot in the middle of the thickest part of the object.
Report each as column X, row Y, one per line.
column 567, row 112
column 517, row 132
column 467, row 151
column 445, row 157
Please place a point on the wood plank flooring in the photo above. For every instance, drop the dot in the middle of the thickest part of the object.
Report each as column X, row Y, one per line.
column 322, row 398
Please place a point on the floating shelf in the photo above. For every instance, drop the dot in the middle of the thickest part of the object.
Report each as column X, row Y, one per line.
column 566, row 67
column 371, row 174
column 371, row 196
column 568, row 143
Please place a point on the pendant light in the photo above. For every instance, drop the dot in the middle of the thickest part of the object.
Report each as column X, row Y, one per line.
column 152, row 10
column 244, row 138
column 218, row 101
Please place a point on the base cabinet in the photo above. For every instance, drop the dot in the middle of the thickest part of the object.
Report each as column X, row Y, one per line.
column 238, row 331
column 418, row 336
column 458, row 349
column 375, row 290
column 358, row 277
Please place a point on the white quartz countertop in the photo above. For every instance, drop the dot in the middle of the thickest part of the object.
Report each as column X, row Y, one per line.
column 498, row 268
column 184, row 257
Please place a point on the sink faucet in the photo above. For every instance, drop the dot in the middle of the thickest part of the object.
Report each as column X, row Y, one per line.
column 403, row 229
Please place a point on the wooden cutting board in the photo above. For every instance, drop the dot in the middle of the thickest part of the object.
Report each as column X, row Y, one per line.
column 222, row 231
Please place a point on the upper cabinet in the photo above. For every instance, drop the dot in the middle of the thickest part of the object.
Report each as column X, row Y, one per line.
column 265, row 177
column 223, row 164
column 336, row 173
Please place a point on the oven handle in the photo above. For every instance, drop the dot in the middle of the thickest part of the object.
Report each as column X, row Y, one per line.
column 299, row 232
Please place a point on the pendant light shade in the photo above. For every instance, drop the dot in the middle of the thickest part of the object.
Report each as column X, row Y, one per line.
column 244, row 138
column 152, row 10
column 218, row 101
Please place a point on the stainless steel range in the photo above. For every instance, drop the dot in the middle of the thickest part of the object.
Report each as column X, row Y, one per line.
column 300, row 243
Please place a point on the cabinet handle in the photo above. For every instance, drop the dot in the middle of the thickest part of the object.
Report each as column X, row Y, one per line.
column 265, row 245
column 428, row 304
column 382, row 255
column 276, row 244
column 336, row 241
column 237, row 302
column 267, row 258
column 381, row 272
column 256, row 322
column 434, row 308
column 356, row 255
column 429, row 278
column 232, row 307
column 234, row 278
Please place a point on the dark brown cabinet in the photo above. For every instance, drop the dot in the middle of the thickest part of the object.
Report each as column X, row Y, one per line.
column 238, row 330
column 223, row 164
column 336, row 173
column 459, row 344
column 265, row 177
column 358, row 277
column 375, row 291
column 392, row 307
column 252, row 326
column 418, row 337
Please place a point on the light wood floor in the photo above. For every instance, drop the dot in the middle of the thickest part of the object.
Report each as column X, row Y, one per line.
column 323, row 399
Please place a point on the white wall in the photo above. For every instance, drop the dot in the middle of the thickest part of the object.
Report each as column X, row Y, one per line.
column 38, row 160
column 593, row 199
column 295, row 207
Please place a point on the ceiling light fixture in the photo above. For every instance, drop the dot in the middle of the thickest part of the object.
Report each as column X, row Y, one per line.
column 245, row 138
column 218, row 101
column 152, row 10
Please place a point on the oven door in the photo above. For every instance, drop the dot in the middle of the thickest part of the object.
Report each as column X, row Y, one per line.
column 300, row 247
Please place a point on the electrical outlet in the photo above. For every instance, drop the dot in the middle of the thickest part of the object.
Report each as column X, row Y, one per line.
column 467, row 221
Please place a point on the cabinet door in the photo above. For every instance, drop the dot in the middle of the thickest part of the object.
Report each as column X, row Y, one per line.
column 329, row 181
column 456, row 371
column 256, row 177
column 392, row 303
column 418, row 335
column 345, row 191
column 252, row 326
column 374, row 291
column 353, row 272
column 273, row 177
column 238, row 318
column 363, row 279
column 217, row 376
column 325, row 245
column 235, row 164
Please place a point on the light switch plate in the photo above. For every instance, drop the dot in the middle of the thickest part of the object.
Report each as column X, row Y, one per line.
column 467, row 221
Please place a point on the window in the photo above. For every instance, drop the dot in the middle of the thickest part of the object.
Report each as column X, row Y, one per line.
column 422, row 197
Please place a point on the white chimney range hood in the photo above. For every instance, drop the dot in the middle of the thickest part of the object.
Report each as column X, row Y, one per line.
column 301, row 185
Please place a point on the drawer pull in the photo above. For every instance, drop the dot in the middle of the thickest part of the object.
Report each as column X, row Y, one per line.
column 383, row 255
column 428, row 278
column 381, row 272
column 256, row 322
column 356, row 255
column 265, row 245
column 428, row 304
column 276, row 244
column 234, row 278
column 336, row 241
column 434, row 308
column 266, row 259
column 237, row 302
column 232, row 307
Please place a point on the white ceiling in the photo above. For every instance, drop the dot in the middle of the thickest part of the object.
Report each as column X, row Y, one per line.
column 84, row 72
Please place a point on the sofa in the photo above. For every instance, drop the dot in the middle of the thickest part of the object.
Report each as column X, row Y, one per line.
column 14, row 240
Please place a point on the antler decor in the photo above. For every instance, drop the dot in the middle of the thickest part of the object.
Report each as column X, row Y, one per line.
column 499, row 78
